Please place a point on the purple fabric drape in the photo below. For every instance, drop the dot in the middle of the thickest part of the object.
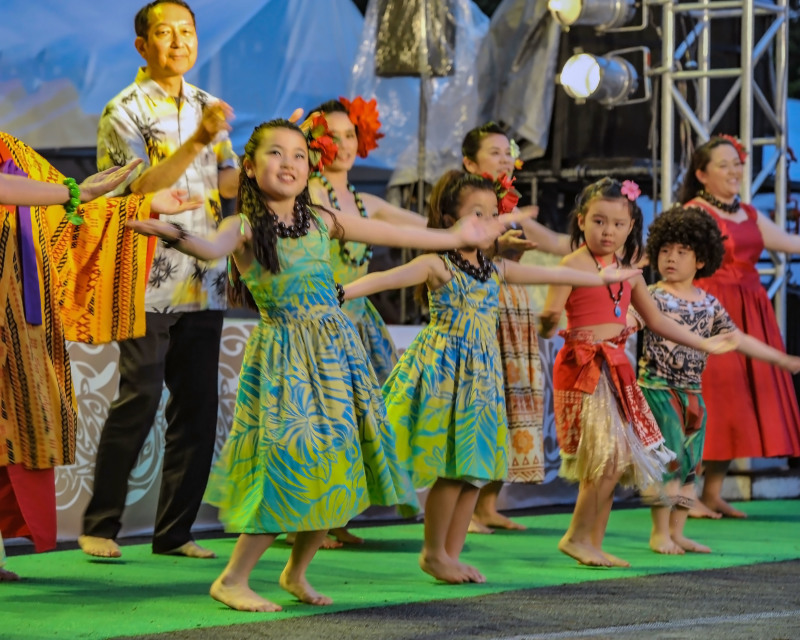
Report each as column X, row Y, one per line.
column 30, row 271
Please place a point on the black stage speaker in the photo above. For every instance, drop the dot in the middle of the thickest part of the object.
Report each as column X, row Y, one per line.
column 406, row 28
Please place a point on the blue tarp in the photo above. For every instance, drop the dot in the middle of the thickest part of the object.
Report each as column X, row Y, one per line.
column 60, row 62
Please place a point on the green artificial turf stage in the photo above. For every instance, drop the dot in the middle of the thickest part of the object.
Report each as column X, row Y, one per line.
column 64, row 594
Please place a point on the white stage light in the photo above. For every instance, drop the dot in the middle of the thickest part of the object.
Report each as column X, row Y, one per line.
column 605, row 15
column 609, row 79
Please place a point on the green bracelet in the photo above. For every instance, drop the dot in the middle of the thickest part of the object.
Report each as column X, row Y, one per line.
column 71, row 205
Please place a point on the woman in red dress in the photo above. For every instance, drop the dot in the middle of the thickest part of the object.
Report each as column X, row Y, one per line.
column 752, row 406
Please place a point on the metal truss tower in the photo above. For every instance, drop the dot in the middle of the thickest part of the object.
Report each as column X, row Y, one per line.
column 774, row 44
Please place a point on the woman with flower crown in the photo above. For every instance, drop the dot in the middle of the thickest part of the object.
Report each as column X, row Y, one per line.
column 339, row 131
column 764, row 421
column 488, row 151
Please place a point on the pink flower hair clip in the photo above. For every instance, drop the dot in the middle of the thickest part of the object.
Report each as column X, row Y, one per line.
column 630, row 190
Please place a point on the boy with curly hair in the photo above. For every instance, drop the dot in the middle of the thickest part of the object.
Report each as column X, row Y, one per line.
column 684, row 244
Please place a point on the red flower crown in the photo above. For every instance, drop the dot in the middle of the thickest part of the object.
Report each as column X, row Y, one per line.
column 737, row 144
column 507, row 195
column 322, row 144
column 364, row 116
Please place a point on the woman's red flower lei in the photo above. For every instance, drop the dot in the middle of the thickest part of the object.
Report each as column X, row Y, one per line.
column 507, row 195
column 364, row 116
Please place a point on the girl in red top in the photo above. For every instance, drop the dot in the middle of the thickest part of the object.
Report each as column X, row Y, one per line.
column 605, row 429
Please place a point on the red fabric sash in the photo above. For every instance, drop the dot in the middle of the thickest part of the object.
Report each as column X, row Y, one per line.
column 578, row 368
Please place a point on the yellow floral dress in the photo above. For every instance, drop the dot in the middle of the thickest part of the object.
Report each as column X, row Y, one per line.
column 310, row 446
column 445, row 397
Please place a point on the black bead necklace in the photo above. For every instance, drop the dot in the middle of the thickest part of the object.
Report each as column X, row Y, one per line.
column 614, row 298
column 299, row 227
column 344, row 250
column 482, row 272
column 719, row 204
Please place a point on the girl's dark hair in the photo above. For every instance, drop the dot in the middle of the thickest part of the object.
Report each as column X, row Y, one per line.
column 445, row 200
column 700, row 159
column 608, row 189
column 691, row 227
column 251, row 202
column 474, row 138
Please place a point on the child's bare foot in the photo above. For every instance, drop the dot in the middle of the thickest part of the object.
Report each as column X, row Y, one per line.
column 665, row 544
column 240, row 597
column 8, row 576
column 472, row 573
column 444, row 568
column 191, row 550
column 583, row 553
column 700, row 510
column 614, row 560
column 690, row 545
column 498, row 521
column 478, row 527
column 721, row 506
column 327, row 541
column 99, row 547
column 345, row 537
column 300, row 588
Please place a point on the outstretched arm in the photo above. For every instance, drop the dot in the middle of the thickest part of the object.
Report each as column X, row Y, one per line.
column 22, row 191
column 227, row 238
column 550, row 316
column 671, row 330
column 754, row 348
column 776, row 238
column 517, row 273
column 546, row 240
column 379, row 209
column 467, row 232
column 419, row 270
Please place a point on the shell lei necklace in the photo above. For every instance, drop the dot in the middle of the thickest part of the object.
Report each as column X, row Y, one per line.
column 481, row 273
column 343, row 249
column 733, row 207
column 614, row 298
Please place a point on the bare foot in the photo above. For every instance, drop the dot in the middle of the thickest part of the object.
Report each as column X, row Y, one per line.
column 472, row 573
column 345, row 537
column 477, row 527
column 700, row 510
column 240, row 597
column 583, row 553
column 327, row 541
column 302, row 590
column 498, row 521
column 8, row 576
column 721, row 506
column 99, row 547
column 614, row 560
column 444, row 569
column 688, row 544
column 665, row 544
column 191, row 550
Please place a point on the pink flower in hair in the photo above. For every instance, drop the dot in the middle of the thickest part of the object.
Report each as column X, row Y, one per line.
column 630, row 190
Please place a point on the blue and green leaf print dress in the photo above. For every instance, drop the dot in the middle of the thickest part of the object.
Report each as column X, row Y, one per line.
column 368, row 322
column 310, row 446
column 445, row 397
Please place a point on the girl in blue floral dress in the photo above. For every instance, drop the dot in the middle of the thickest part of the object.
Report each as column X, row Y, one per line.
column 445, row 397
column 310, row 446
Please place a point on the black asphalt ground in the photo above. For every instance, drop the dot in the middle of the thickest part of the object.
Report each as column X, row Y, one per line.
column 758, row 602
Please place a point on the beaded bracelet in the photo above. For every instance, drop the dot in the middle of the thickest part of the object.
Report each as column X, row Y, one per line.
column 71, row 206
column 169, row 244
column 340, row 293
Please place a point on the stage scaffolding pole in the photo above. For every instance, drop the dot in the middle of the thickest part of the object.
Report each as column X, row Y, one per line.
column 700, row 120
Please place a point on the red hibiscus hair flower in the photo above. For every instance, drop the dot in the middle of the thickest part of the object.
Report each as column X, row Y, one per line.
column 507, row 195
column 322, row 146
column 364, row 116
